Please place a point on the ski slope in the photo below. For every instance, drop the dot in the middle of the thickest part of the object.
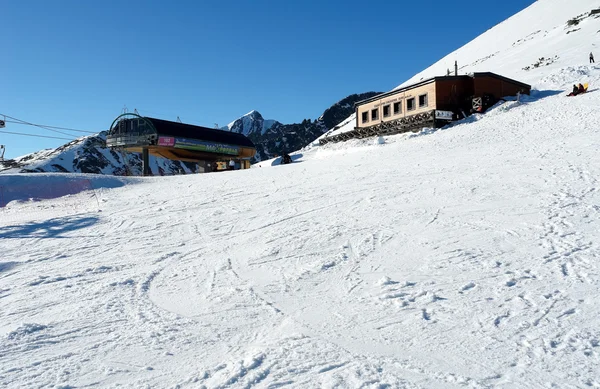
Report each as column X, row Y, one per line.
column 530, row 45
column 534, row 46
column 462, row 257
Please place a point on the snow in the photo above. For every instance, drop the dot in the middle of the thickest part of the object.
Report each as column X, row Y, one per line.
column 540, row 30
column 72, row 157
column 467, row 256
column 249, row 125
column 344, row 126
column 521, row 41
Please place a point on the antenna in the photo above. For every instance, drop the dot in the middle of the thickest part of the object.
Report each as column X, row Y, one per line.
column 179, row 120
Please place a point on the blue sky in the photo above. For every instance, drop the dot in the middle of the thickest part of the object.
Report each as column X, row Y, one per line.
column 76, row 64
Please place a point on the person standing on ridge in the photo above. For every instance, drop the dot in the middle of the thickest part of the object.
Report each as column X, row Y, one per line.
column 592, row 58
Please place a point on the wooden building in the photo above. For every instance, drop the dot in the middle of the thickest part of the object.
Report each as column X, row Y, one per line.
column 429, row 103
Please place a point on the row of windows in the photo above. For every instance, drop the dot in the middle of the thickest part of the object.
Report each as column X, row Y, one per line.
column 410, row 106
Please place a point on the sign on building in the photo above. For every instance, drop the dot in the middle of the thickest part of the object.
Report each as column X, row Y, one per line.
column 443, row 115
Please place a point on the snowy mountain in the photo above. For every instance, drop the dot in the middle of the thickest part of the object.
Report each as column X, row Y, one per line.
column 547, row 36
column 545, row 45
column 462, row 257
column 251, row 123
column 273, row 138
column 90, row 155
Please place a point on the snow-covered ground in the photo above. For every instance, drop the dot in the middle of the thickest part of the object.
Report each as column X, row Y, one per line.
column 533, row 43
column 463, row 257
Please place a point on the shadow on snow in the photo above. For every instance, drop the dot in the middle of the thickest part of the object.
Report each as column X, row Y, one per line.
column 53, row 228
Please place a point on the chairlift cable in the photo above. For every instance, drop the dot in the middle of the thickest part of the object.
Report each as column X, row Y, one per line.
column 37, row 136
column 58, row 128
column 49, row 128
column 35, row 125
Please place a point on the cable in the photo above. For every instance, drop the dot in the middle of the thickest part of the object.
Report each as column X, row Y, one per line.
column 49, row 128
column 31, row 124
column 58, row 128
column 38, row 136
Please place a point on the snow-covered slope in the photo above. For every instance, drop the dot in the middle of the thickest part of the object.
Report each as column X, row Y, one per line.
column 466, row 257
column 463, row 257
column 544, row 45
column 547, row 36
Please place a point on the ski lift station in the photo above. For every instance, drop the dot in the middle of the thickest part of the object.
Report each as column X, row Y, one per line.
column 429, row 103
column 133, row 133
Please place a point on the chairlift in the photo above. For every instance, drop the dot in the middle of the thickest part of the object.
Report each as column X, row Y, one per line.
column 2, row 150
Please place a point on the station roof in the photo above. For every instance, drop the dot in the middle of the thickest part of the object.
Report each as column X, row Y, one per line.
column 181, row 130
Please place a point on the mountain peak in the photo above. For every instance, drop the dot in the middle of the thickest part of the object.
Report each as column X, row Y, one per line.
column 253, row 113
column 251, row 123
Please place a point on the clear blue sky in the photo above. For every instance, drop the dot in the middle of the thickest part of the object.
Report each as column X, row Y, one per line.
column 76, row 63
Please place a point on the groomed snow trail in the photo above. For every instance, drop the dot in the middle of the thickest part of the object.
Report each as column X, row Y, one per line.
column 463, row 257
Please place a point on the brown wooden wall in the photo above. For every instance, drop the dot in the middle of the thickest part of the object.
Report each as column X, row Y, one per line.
column 497, row 87
column 454, row 94
column 443, row 93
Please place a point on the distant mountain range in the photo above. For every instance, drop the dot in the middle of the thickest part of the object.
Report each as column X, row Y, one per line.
column 273, row 138
column 90, row 155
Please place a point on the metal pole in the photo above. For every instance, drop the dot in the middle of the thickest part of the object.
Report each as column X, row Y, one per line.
column 145, row 162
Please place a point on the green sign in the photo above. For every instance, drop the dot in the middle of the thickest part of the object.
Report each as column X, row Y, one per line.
column 208, row 147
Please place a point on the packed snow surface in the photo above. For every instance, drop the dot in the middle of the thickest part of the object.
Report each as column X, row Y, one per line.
column 462, row 257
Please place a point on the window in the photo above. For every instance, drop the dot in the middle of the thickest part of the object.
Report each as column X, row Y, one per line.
column 398, row 108
column 365, row 117
column 410, row 104
column 423, row 101
column 386, row 111
column 375, row 114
